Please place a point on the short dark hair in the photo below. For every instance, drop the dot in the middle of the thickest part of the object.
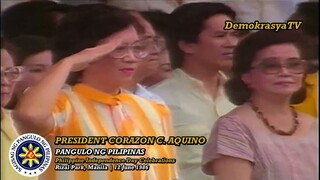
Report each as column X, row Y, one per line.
column 187, row 23
column 244, row 54
column 5, row 45
column 159, row 21
column 84, row 27
column 2, row 43
column 308, row 12
column 30, row 18
column 24, row 46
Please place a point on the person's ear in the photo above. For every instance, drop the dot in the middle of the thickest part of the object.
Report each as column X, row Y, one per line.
column 186, row 47
column 246, row 78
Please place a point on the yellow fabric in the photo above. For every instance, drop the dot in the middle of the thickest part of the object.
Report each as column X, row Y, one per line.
column 194, row 112
column 8, row 135
column 84, row 111
column 309, row 105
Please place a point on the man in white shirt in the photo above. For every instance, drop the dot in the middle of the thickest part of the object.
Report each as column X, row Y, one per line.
column 194, row 93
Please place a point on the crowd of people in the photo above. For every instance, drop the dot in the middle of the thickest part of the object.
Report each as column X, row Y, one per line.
column 100, row 70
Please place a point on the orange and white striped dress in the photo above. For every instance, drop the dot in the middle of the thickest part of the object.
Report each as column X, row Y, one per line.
column 84, row 111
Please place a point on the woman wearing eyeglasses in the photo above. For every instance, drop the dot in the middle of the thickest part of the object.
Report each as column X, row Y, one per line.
column 9, row 75
column 102, row 45
column 264, row 138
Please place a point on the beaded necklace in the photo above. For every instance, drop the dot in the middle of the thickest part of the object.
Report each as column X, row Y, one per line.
column 271, row 127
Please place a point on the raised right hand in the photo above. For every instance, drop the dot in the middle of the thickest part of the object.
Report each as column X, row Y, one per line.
column 82, row 59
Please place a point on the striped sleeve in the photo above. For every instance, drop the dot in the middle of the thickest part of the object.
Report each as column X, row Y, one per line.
column 229, row 137
column 60, row 113
column 165, row 118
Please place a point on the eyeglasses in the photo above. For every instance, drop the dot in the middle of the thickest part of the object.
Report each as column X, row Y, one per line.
column 156, row 44
column 140, row 49
column 12, row 73
column 272, row 66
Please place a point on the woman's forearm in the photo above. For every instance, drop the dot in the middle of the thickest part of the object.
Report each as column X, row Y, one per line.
column 34, row 108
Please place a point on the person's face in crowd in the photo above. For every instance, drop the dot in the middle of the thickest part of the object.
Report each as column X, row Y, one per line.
column 151, row 65
column 310, row 48
column 9, row 74
column 277, row 70
column 311, row 52
column 164, row 69
column 35, row 67
column 215, row 45
column 162, row 72
column 119, row 65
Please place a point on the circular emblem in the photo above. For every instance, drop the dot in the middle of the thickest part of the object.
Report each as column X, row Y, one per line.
column 30, row 155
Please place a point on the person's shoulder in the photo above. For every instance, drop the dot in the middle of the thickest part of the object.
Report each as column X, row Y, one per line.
column 240, row 116
column 148, row 104
column 6, row 111
column 163, row 85
column 165, row 90
column 7, row 123
column 136, row 100
column 141, row 100
column 63, row 98
column 308, row 123
column 239, row 111
column 147, row 94
column 131, row 95
column 167, row 86
column 306, row 118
